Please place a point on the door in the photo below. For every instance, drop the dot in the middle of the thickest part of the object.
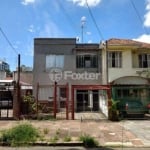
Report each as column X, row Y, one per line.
column 6, row 103
column 95, row 100
column 82, row 100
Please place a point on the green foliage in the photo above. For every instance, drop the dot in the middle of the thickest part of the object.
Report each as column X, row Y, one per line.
column 45, row 130
column 57, row 131
column 20, row 135
column 31, row 104
column 67, row 138
column 88, row 141
column 113, row 111
column 54, row 139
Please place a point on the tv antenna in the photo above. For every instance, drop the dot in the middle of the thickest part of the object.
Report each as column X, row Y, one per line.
column 83, row 21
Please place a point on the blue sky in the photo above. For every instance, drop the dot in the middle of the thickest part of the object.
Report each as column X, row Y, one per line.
column 24, row 20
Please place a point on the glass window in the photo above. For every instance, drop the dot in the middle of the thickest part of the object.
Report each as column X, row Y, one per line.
column 63, row 92
column 115, row 59
column 144, row 60
column 87, row 61
column 54, row 61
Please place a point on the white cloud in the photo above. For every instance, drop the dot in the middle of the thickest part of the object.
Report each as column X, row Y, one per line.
column 50, row 29
column 82, row 3
column 27, row 2
column 88, row 33
column 31, row 29
column 147, row 15
column 143, row 38
column 90, row 41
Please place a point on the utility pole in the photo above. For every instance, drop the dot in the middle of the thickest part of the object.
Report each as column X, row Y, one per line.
column 18, row 89
column 83, row 20
column 17, row 103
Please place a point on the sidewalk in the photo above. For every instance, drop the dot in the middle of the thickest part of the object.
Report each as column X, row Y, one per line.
column 106, row 132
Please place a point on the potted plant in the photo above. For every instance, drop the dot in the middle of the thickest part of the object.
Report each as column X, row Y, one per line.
column 113, row 112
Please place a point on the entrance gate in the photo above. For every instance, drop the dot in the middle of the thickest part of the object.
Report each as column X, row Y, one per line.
column 6, row 100
column 59, row 101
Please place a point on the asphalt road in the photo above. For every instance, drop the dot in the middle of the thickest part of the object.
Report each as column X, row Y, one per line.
column 67, row 148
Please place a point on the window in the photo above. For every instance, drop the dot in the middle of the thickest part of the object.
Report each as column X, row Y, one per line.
column 54, row 61
column 144, row 60
column 115, row 59
column 87, row 61
column 63, row 92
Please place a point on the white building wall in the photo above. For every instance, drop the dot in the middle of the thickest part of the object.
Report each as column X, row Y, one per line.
column 2, row 75
column 126, row 70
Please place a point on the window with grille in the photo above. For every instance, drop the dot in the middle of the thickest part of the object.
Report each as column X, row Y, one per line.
column 86, row 61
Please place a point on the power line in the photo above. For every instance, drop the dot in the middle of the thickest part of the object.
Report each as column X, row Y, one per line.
column 72, row 24
column 8, row 41
column 93, row 18
column 138, row 15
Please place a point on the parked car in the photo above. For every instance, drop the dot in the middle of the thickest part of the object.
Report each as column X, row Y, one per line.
column 148, row 106
column 131, row 107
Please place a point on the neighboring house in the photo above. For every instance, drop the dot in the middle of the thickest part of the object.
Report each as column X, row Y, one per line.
column 26, row 80
column 4, row 66
column 81, row 66
column 129, row 70
column 2, row 75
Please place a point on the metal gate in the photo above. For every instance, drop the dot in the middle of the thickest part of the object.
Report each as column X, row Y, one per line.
column 6, row 102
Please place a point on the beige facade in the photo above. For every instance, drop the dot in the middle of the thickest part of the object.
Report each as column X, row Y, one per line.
column 134, row 59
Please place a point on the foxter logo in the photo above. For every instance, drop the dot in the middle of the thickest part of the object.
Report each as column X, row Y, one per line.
column 55, row 74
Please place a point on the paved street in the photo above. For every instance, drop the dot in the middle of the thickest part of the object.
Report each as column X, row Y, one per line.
column 67, row 148
column 140, row 128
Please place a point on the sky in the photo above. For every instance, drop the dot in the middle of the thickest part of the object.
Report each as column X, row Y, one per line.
column 23, row 20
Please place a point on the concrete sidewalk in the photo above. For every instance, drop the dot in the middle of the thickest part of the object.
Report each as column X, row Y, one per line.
column 106, row 132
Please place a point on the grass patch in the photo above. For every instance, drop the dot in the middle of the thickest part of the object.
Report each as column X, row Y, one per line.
column 45, row 131
column 21, row 135
column 54, row 139
column 88, row 141
column 67, row 138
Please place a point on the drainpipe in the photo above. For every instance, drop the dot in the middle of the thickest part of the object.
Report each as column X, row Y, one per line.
column 104, row 63
column 107, row 70
column 55, row 99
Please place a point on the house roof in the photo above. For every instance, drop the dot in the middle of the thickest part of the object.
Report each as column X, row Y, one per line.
column 127, row 42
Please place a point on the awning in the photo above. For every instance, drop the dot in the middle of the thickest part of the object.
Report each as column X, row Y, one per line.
column 131, row 80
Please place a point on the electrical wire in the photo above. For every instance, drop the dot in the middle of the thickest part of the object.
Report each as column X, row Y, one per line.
column 138, row 15
column 8, row 41
column 72, row 24
column 93, row 18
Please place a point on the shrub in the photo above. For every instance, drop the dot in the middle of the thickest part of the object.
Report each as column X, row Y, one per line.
column 54, row 139
column 20, row 135
column 113, row 113
column 88, row 141
column 67, row 138
column 45, row 130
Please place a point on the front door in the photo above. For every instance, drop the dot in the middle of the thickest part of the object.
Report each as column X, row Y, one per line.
column 95, row 100
column 82, row 100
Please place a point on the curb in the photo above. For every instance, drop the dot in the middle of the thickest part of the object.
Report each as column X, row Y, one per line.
column 125, row 145
column 48, row 144
column 76, row 144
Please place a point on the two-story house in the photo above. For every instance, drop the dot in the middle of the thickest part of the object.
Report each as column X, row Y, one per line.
column 129, row 70
column 80, row 67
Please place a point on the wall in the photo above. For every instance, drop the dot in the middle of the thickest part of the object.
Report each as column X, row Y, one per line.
column 43, row 47
column 126, row 70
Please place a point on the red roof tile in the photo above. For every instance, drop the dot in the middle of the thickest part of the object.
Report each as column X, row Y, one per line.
column 128, row 42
